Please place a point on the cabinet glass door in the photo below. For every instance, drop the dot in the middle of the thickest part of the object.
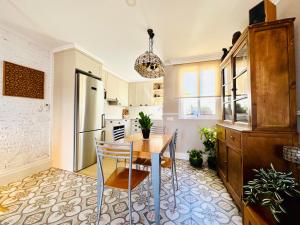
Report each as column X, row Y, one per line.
column 227, row 92
column 241, row 85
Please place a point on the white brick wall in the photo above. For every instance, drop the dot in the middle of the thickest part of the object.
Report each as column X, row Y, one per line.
column 24, row 122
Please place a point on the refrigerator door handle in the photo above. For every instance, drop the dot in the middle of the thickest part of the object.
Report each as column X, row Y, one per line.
column 103, row 120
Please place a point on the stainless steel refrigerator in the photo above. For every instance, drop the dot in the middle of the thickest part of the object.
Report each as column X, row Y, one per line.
column 89, row 118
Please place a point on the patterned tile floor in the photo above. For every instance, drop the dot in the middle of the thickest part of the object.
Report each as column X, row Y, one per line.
column 60, row 197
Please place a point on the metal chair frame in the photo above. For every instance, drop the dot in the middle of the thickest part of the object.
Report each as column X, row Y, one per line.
column 157, row 130
column 115, row 151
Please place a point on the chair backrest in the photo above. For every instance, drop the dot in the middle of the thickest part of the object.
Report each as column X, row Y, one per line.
column 113, row 151
column 157, row 130
column 119, row 133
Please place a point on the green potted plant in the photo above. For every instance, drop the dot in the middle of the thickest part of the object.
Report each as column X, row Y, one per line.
column 209, row 138
column 195, row 158
column 270, row 189
column 146, row 124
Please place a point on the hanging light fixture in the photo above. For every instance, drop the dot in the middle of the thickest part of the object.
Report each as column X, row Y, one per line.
column 148, row 64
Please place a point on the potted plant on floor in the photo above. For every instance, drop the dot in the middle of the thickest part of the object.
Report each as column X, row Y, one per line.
column 271, row 189
column 195, row 158
column 146, row 124
column 209, row 138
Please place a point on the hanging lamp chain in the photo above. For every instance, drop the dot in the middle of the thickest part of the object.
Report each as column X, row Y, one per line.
column 151, row 36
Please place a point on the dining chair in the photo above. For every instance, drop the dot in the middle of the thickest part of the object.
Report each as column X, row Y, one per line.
column 174, row 156
column 122, row 178
column 157, row 130
column 119, row 133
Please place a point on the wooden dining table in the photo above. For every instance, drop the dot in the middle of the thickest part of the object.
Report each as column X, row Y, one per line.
column 152, row 148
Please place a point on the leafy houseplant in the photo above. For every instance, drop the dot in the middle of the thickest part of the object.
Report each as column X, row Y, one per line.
column 146, row 124
column 209, row 137
column 269, row 189
column 195, row 158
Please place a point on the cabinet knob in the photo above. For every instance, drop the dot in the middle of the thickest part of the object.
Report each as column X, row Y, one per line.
column 232, row 137
column 141, row 105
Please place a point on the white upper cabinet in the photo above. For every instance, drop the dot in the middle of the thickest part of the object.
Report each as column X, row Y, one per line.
column 143, row 93
column 116, row 88
column 132, row 94
column 111, row 86
column 123, row 92
column 87, row 64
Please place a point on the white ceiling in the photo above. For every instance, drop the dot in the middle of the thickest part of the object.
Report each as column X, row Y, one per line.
column 116, row 32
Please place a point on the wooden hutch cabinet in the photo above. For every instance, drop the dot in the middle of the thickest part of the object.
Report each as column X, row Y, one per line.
column 259, row 103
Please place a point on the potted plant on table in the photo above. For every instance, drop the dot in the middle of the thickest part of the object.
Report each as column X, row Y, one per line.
column 195, row 158
column 146, row 124
column 270, row 189
column 209, row 137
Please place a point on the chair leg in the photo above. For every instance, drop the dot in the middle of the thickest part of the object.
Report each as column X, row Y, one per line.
column 129, row 204
column 175, row 171
column 173, row 184
column 174, row 164
column 99, row 201
column 149, row 193
column 119, row 197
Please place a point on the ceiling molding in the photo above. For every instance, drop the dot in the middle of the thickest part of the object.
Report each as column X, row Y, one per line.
column 79, row 48
column 193, row 59
column 84, row 51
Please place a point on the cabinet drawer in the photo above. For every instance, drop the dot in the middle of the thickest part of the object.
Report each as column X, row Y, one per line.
column 221, row 133
column 233, row 138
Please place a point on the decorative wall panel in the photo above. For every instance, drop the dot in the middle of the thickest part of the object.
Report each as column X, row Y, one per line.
column 22, row 81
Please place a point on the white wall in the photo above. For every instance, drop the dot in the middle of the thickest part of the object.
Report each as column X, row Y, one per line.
column 24, row 122
column 155, row 112
column 188, row 132
column 291, row 8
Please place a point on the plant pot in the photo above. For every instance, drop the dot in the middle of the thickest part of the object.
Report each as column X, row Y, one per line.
column 146, row 133
column 196, row 162
column 212, row 162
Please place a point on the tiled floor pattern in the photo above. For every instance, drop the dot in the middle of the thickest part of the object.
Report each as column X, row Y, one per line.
column 60, row 197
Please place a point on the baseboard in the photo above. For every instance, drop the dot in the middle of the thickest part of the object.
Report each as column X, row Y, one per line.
column 24, row 171
column 180, row 155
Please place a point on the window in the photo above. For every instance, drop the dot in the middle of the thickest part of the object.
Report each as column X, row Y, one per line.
column 199, row 90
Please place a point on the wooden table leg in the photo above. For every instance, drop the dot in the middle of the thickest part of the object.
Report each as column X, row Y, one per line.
column 156, row 177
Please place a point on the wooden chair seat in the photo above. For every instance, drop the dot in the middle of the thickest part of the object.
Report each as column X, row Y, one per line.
column 119, row 178
column 166, row 162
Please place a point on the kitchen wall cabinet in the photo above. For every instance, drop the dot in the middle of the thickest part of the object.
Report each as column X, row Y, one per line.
column 132, row 94
column 104, row 78
column 116, row 88
column 141, row 94
column 123, row 92
column 65, row 64
column 87, row 64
